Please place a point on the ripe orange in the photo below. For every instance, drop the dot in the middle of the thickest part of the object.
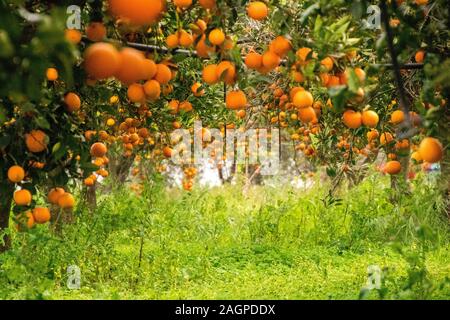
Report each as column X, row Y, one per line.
column 25, row 218
column 209, row 74
column 236, row 100
column 149, row 69
column 137, row 12
column 302, row 54
column 72, row 101
column 257, row 10
column 96, row 31
column 52, row 74
column 303, row 99
column 431, row 150
column 419, row 56
column 195, row 89
column 36, row 141
column 397, row 117
column 416, row 156
column 182, row 3
column 66, row 201
column 172, row 41
column 203, row 49
column 98, row 150
column 89, row 182
column 280, row 46
column 333, row 81
column 327, row 63
column 54, row 195
column 297, row 76
column 101, row 60
column 216, row 37
column 22, row 197
column 294, row 91
column 16, row 174
column 306, row 114
column 173, row 106
column 372, row 135
column 185, row 106
column 392, row 167
column 152, row 89
column 185, row 39
column 361, row 74
column 136, row 93
column 167, row 151
column 73, row 35
column 41, row 215
column 370, row 118
column 226, row 71
column 352, row 119
column 271, row 60
column 163, row 74
column 131, row 67
column 386, row 138
column 207, row 4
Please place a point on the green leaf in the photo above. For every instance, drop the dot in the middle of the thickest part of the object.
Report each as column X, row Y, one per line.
column 42, row 123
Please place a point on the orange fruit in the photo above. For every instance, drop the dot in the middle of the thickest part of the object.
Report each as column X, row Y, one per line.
column 203, row 49
column 392, row 167
column 98, row 150
column 294, row 91
column 72, row 101
column 209, row 74
column 333, row 81
column 271, row 60
column 352, row 119
column 152, row 89
column 54, row 194
column 136, row 93
column 419, row 56
column 185, row 39
column 253, row 60
column 372, row 135
column 195, row 89
column 303, row 99
column 51, row 74
column 132, row 66
column 207, row 4
column 236, row 100
column 36, row 141
column 89, row 182
column 257, row 10
column 163, row 74
column 172, row 41
column 22, row 197
column 386, row 138
column 26, row 218
column 137, row 12
column 226, row 71
column 431, row 150
column 397, row 117
column 306, row 114
column 73, row 35
column 182, row 3
column 173, row 106
column 327, row 63
column 416, row 156
column 66, row 201
column 149, row 69
column 370, row 118
column 303, row 53
column 96, row 31
column 361, row 74
column 101, row 60
column 167, row 151
column 280, row 46
column 16, row 174
column 297, row 76
column 41, row 215
column 216, row 37
column 185, row 106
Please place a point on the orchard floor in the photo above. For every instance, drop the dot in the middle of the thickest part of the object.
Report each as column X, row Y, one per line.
column 272, row 243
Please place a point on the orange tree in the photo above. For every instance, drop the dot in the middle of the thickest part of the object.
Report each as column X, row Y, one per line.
column 140, row 68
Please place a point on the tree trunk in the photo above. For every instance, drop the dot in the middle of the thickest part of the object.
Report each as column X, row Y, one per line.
column 91, row 198
column 6, row 195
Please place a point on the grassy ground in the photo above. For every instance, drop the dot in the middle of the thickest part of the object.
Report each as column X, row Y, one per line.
column 272, row 243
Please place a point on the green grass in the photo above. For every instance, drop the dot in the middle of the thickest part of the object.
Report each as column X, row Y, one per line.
column 272, row 243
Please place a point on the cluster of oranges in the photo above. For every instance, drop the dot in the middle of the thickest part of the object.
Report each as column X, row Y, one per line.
column 189, row 176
